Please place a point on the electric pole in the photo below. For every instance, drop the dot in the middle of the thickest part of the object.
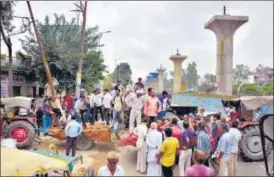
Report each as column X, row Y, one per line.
column 79, row 72
column 44, row 61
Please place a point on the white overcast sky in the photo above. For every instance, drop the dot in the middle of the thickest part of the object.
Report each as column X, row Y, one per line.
column 145, row 34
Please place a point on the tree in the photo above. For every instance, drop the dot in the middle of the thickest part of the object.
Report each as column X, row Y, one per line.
column 241, row 73
column 107, row 82
column 93, row 69
column 250, row 89
column 191, row 75
column 208, row 83
column 267, row 89
column 122, row 73
column 61, row 41
column 6, row 28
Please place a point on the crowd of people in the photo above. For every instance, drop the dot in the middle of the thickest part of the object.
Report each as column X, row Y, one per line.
column 189, row 142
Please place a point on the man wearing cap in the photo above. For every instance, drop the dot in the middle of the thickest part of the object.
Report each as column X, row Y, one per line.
column 136, row 104
column 154, row 143
column 111, row 168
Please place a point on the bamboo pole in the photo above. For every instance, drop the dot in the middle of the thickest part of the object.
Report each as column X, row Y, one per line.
column 79, row 72
column 44, row 61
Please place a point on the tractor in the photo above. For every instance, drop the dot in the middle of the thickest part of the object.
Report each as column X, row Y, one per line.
column 16, row 120
column 250, row 145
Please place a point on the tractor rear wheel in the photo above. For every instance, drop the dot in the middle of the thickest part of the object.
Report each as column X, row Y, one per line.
column 84, row 143
column 251, row 145
column 23, row 132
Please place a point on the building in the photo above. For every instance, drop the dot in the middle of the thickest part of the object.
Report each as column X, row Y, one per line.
column 152, row 81
column 21, row 85
column 263, row 75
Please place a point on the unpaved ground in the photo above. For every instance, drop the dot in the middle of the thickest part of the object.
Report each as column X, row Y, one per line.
column 128, row 157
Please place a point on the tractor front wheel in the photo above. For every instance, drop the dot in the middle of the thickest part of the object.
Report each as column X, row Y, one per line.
column 251, row 145
column 23, row 132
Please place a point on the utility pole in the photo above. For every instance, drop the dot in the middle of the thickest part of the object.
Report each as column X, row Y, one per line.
column 79, row 72
column 44, row 61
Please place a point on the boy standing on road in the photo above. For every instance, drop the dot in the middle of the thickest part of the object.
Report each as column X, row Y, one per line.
column 73, row 130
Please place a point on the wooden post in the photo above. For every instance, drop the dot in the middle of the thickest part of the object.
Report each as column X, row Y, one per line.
column 79, row 72
column 44, row 61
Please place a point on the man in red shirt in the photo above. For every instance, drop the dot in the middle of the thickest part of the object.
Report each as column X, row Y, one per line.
column 69, row 102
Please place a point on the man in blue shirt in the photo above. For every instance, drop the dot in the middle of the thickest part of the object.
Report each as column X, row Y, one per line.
column 225, row 148
column 73, row 130
column 203, row 141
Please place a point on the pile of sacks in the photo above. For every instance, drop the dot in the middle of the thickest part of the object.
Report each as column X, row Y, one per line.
column 58, row 132
column 98, row 132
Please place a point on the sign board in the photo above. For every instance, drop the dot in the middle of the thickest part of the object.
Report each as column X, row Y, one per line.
column 216, row 84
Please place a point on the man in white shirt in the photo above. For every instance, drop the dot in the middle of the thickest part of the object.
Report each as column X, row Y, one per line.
column 136, row 104
column 80, row 107
column 154, row 141
column 65, row 119
column 111, row 168
column 141, row 132
column 107, row 99
column 91, row 99
column 234, row 131
column 98, row 102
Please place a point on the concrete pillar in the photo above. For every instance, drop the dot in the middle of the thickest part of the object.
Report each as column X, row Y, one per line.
column 177, row 74
column 161, row 72
column 224, row 27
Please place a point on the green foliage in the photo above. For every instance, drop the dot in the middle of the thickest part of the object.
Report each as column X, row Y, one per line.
column 241, row 73
column 93, row 69
column 61, row 40
column 235, row 89
column 107, row 82
column 191, row 75
column 123, row 73
column 6, row 17
column 208, row 84
column 267, row 89
column 250, row 89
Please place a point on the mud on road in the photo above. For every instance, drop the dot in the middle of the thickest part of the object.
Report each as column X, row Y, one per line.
column 128, row 157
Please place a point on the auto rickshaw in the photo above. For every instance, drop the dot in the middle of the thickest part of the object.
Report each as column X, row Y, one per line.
column 16, row 162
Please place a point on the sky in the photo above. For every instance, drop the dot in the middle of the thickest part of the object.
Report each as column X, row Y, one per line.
column 146, row 33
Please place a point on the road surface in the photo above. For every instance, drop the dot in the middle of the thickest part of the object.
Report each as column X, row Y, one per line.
column 128, row 157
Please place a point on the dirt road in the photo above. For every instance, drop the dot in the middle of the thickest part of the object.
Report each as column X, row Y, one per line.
column 128, row 156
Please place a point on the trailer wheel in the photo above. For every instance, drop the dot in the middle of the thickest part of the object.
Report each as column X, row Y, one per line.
column 251, row 146
column 84, row 143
